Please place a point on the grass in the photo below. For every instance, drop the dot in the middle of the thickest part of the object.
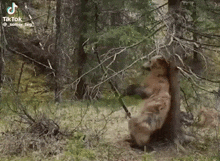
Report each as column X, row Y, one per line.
column 98, row 130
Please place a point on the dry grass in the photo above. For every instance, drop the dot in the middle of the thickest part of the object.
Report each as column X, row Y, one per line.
column 41, row 138
column 97, row 134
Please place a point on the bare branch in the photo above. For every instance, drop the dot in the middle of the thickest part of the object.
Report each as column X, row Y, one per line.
column 200, row 33
column 19, row 79
column 200, row 77
column 122, row 49
column 202, row 44
column 25, row 56
column 144, row 57
column 35, row 28
column 50, row 66
column 184, row 94
column 36, row 17
column 193, row 81
column 192, row 49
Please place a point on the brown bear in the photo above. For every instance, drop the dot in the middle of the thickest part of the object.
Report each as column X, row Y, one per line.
column 156, row 102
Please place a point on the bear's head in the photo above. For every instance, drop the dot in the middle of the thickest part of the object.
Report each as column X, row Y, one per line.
column 157, row 65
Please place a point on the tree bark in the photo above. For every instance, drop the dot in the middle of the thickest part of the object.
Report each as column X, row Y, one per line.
column 3, row 43
column 171, row 129
column 195, row 35
column 82, row 55
column 59, row 58
column 196, row 66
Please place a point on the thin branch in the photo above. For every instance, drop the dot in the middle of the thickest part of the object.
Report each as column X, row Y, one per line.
column 36, row 17
column 50, row 66
column 114, row 88
column 193, row 81
column 35, row 28
column 122, row 49
column 147, row 13
column 159, row 7
column 82, row 117
column 114, row 57
column 144, row 57
column 19, row 79
column 48, row 12
column 184, row 94
column 25, row 56
column 200, row 77
column 199, row 33
column 215, row 50
column 179, row 41
column 212, row 45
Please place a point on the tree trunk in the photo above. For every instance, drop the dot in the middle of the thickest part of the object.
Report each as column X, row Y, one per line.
column 171, row 128
column 82, row 55
column 195, row 36
column 172, row 125
column 196, row 66
column 2, row 44
column 59, row 58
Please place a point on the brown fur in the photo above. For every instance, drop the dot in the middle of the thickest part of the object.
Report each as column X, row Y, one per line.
column 156, row 106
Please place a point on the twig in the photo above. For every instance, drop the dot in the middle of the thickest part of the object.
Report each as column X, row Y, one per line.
column 201, row 34
column 184, row 94
column 48, row 12
column 36, row 17
column 203, row 44
column 35, row 28
column 19, row 79
column 144, row 57
column 82, row 117
column 200, row 77
column 179, row 41
column 193, row 81
column 84, row 43
column 50, row 66
column 113, row 87
column 106, row 122
column 123, row 48
column 25, row 56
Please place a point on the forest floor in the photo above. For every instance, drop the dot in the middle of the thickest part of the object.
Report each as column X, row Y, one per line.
column 89, row 131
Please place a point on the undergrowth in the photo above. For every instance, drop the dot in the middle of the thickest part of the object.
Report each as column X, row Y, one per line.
column 83, row 131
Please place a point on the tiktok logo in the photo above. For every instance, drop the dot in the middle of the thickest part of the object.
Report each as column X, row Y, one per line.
column 11, row 10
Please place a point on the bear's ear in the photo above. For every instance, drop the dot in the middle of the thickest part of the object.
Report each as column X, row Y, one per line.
column 146, row 66
column 162, row 61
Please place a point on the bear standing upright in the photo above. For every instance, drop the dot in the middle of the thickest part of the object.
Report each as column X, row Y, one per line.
column 156, row 103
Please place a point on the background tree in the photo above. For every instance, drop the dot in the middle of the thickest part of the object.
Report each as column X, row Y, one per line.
column 82, row 55
column 184, row 33
column 2, row 44
column 174, row 8
column 59, row 58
